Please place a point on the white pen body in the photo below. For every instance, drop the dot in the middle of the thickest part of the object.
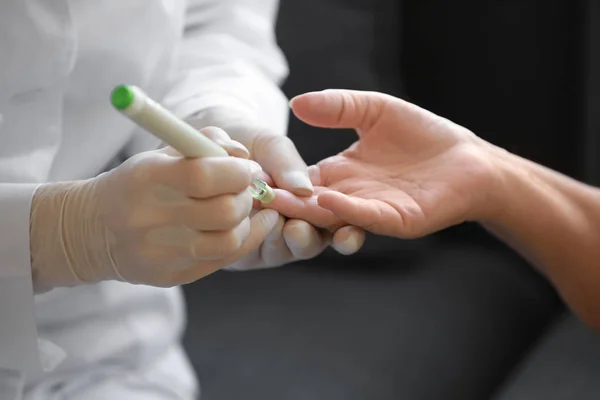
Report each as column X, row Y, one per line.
column 171, row 130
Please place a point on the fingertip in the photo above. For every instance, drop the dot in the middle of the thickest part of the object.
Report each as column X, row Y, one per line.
column 214, row 133
column 348, row 240
column 314, row 174
column 299, row 100
column 254, row 169
column 297, row 182
column 234, row 148
column 303, row 239
column 343, row 207
column 303, row 105
column 261, row 224
column 279, row 158
column 297, row 233
column 268, row 219
column 328, row 199
column 292, row 101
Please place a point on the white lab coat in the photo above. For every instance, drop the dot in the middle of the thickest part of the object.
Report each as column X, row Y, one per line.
column 59, row 61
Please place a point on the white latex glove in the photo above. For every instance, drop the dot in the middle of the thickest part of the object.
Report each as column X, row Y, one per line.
column 292, row 239
column 157, row 219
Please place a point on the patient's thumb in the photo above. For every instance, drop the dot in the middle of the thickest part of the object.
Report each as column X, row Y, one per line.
column 337, row 108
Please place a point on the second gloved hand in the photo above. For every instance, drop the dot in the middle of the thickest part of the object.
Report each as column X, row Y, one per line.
column 157, row 219
column 292, row 239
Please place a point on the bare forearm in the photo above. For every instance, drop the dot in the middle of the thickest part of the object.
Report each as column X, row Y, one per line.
column 554, row 221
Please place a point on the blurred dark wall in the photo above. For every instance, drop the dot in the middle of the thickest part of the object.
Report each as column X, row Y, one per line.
column 350, row 44
column 511, row 71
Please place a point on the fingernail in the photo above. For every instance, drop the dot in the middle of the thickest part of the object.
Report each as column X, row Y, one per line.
column 350, row 244
column 299, row 183
column 314, row 174
column 270, row 218
column 298, row 237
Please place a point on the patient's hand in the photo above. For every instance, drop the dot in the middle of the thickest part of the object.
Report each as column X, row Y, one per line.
column 411, row 172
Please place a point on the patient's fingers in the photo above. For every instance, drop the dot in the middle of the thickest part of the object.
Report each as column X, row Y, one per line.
column 305, row 208
column 370, row 214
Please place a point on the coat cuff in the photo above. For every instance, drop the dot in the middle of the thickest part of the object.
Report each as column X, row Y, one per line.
column 18, row 330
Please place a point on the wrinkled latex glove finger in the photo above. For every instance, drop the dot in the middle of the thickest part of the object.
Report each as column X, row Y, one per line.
column 261, row 225
column 272, row 253
column 279, row 157
column 348, row 240
column 219, row 136
column 304, row 240
column 201, row 178
column 274, row 151
column 275, row 251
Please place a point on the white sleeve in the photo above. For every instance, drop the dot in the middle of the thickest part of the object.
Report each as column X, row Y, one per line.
column 18, row 331
column 230, row 58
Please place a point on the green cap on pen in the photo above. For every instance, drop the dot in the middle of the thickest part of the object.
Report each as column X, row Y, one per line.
column 122, row 97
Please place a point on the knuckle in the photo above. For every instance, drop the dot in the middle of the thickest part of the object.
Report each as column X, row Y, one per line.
column 198, row 177
column 346, row 106
column 140, row 218
column 232, row 240
column 302, row 236
column 143, row 167
column 230, row 211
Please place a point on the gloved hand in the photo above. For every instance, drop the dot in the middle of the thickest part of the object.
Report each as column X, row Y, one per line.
column 157, row 219
column 296, row 239
column 292, row 239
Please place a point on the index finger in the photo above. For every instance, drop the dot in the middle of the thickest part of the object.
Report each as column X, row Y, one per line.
column 206, row 177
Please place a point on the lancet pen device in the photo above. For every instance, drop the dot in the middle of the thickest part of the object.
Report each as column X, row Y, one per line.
column 132, row 102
